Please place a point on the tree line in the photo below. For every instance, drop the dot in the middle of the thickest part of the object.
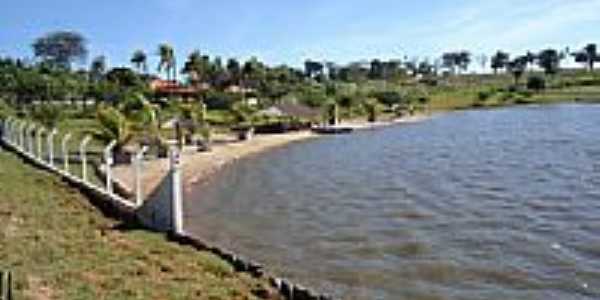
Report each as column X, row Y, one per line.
column 51, row 76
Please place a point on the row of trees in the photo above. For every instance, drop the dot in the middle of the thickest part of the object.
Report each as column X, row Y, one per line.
column 51, row 76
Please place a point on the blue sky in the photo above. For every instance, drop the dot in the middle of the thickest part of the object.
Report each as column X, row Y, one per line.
column 280, row 31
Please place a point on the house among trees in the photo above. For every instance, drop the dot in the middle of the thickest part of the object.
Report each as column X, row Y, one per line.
column 173, row 89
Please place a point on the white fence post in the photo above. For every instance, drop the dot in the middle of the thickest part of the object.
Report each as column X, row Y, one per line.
column 65, row 151
column 40, row 148
column 108, row 162
column 13, row 131
column 83, row 157
column 30, row 137
column 139, row 157
column 176, row 192
column 22, row 134
column 7, row 129
column 51, row 146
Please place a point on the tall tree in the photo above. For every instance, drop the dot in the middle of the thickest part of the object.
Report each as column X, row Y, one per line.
column 98, row 68
column 253, row 72
column 376, row 71
column 499, row 61
column 61, row 48
column 588, row 56
column 235, row 71
column 449, row 61
column 313, row 68
column 549, row 60
column 530, row 58
column 463, row 60
column 194, row 66
column 517, row 67
column 139, row 59
column 592, row 53
column 167, row 61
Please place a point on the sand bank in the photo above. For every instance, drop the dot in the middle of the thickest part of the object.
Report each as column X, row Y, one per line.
column 199, row 166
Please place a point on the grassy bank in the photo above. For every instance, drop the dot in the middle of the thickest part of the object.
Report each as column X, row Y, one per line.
column 60, row 247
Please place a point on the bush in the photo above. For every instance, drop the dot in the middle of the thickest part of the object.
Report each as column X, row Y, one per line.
column 507, row 97
column 388, row 98
column 221, row 100
column 536, row 83
column 48, row 115
column 588, row 81
column 5, row 109
column 525, row 93
column 483, row 96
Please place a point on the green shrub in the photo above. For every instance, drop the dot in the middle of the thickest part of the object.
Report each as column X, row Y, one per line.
column 484, row 96
column 221, row 100
column 588, row 81
column 5, row 109
column 525, row 93
column 48, row 115
column 507, row 97
column 536, row 83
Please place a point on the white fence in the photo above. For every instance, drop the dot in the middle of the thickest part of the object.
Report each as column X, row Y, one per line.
column 28, row 139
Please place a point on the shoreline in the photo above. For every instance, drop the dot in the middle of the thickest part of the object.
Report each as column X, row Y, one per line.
column 199, row 167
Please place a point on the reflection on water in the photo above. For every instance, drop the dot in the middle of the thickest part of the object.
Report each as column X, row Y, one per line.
column 501, row 204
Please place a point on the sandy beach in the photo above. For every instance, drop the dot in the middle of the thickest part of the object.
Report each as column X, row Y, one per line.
column 199, row 166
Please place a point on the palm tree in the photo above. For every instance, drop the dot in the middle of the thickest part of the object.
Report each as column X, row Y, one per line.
column 98, row 68
column 371, row 105
column 139, row 60
column 114, row 126
column 167, row 60
column 499, row 61
column 194, row 66
column 588, row 56
column 234, row 69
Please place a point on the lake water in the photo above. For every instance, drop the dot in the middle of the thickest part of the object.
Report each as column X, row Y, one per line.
column 498, row 204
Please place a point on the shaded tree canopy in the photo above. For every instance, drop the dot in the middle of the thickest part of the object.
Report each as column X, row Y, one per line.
column 167, row 60
column 588, row 56
column 139, row 60
column 517, row 67
column 499, row 61
column 98, row 67
column 313, row 68
column 61, row 48
column 549, row 60
column 454, row 61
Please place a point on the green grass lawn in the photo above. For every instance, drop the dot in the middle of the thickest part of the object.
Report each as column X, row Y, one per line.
column 61, row 247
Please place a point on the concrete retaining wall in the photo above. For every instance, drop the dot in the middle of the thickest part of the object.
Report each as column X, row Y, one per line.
column 156, row 214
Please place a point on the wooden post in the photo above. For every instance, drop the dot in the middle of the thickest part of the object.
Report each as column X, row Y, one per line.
column 83, row 157
column 108, row 162
column 176, row 192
